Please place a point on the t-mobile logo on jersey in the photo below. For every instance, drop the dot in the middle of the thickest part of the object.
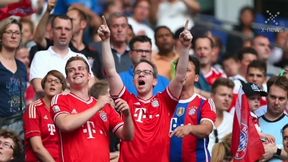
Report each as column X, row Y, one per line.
column 140, row 114
column 51, row 129
column 90, row 129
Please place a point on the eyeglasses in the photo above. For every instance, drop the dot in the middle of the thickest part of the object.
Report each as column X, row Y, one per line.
column 215, row 132
column 11, row 33
column 142, row 51
column 6, row 145
column 145, row 72
column 56, row 81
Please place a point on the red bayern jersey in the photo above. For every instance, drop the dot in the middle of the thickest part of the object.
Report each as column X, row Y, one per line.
column 213, row 75
column 194, row 149
column 38, row 122
column 151, row 120
column 90, row 142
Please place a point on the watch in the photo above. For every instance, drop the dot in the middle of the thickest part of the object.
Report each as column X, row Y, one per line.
column 278, row 152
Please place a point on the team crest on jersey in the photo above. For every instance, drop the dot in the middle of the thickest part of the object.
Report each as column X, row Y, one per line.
column 56, row 109
column 180, row 111
column 192, row 111
column 103, row 116
column 155, row 103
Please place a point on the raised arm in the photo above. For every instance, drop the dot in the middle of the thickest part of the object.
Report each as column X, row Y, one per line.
column 110, row 72
column 39, row 35
column 176, row 84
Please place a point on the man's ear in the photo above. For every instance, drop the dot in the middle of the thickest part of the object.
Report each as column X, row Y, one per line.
column 196, row 78
column 155, row 81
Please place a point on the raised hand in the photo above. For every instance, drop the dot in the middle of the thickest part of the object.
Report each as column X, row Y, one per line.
column 51, row 5
column 122, row 107
column 103, row 30
column 185, row 36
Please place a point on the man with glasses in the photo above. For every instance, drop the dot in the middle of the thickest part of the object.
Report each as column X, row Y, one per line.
column 150, row 113
column 140, row 49
column 10, row 146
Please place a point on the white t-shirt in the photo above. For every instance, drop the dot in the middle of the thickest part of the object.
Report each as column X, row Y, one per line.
column 224, row 128
column 47, row 60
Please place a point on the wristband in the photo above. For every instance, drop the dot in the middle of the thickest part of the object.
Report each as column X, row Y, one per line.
column 278, row 152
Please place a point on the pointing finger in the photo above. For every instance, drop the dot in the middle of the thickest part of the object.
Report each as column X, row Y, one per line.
column 186, row 25
column 104, row 20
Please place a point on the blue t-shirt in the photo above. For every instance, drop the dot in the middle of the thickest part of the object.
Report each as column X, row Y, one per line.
column 12, row 100
column 128, row 77
column 62, row 6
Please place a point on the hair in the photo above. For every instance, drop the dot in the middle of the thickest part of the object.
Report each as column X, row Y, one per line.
column 56, row 74
column 243, row 9
column 258, row 64
column 75, row 58
column 99, row 89
column 279, row 81
column 114, row 16
column 221, row 151
column 195, row 62
column 139, row 38
column 222, row 82
column 283, row 129
column 203, row 37
column 64, row 17
column 5, row 26
column 155, row 72
column 18, row 147
column 245, row 51
column 227, row 57
column 82, row 15
column 29, row 22
column 156, row 30
column 139, row 1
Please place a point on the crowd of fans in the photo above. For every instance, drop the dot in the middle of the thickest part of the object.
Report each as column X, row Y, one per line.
column 143, row 82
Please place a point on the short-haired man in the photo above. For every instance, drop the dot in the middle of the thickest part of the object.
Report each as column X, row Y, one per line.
column 118, row 24
column 275, row 118
column 222, row 95
column 151, row 114
column 84, row 122
column 192, row 121
column 203, row 48
column 141, row 49
column 262, row 45
column 56, row 56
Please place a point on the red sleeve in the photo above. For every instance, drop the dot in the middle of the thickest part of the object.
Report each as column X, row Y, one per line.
column 59, row 106
column 31, row 121
column 208, row 111
column 115, row 120
column 168, row 99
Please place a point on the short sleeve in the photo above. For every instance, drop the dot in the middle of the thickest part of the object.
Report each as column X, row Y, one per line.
column 115, row 120
column 38, row 66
